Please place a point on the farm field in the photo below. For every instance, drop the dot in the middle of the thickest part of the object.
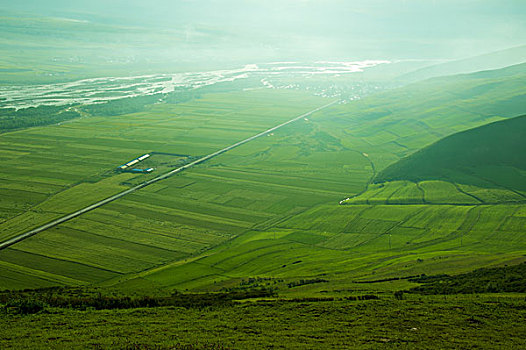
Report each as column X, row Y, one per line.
column 352, row 243
column 435, row 192
column 266, row 209
column 48, row 161
column 182, row 223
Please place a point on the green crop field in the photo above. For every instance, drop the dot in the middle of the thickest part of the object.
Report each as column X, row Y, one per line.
column 169, row 220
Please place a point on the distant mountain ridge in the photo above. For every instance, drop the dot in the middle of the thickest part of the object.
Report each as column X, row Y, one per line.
column 490, row 61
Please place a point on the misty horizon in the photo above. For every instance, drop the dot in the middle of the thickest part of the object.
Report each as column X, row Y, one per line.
column 251, row 31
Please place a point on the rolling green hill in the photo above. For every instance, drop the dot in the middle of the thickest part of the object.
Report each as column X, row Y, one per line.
column 396, row 123
column 490, row 156
column 483, row 165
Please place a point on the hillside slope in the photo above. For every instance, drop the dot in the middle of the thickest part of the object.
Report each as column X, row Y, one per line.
column 488, row 156
column 393, row 124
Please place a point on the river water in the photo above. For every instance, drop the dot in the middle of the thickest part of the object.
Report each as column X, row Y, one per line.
column 98, row 90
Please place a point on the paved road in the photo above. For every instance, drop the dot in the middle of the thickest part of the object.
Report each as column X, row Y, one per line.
column 33, row 232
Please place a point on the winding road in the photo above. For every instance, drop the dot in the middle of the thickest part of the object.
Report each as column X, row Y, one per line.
column 79, row 212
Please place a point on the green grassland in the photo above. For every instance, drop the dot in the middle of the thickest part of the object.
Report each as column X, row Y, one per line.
column 439, row 313
column 432, row 322
column 393, row 221
column 354, row 243
column 396, row 123
column 267, row 209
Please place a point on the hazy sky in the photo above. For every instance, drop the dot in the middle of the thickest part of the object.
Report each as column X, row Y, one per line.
column 317, row 29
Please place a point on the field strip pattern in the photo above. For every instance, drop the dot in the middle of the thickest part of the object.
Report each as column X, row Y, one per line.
column 63, row 219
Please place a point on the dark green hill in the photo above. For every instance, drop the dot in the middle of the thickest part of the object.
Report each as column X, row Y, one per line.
column 491, row 156
column 486, row 280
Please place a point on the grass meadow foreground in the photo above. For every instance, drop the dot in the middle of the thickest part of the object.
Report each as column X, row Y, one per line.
column 418, row 322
